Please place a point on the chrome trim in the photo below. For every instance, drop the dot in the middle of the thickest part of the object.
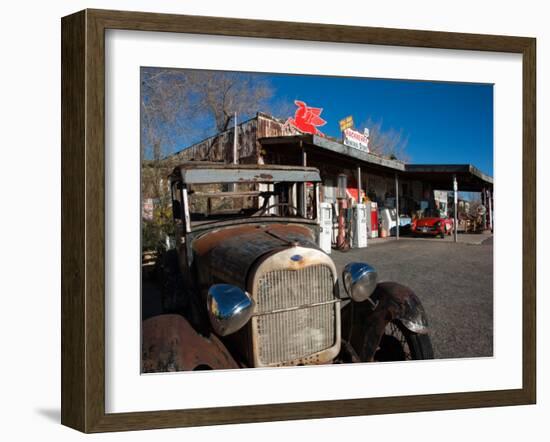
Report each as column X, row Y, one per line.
column 360, row 280
column 281, row 310
column 229, row 308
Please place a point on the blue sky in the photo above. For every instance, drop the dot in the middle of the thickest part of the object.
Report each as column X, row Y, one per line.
column 446, row 123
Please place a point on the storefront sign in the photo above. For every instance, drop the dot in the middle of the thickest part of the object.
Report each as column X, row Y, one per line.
column 357, row 140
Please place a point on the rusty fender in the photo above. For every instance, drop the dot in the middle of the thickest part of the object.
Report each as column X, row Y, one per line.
column 390, row 301
column 169, row 343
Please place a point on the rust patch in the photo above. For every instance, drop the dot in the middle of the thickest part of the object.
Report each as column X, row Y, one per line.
column 266, row 176
column 227, row 254
column 206, row 243
column 169, row 343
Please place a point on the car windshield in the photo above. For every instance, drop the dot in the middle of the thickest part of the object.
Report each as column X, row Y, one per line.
column 435, row 213
column 210, row 203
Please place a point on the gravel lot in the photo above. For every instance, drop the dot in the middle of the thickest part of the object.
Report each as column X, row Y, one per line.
column 453, row 281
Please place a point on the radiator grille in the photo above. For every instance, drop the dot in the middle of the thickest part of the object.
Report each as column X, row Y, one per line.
column 289, row 335
column 293, row 288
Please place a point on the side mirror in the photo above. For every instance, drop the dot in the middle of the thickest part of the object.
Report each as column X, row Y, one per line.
column 360, row 280
column 229, row 308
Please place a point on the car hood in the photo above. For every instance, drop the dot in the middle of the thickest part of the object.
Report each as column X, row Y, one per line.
column 427, row 222
column 226, row 255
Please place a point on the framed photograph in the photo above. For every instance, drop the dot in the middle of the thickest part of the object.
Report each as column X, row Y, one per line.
column 267, row 221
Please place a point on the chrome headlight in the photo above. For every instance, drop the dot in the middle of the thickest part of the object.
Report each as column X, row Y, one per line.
column 360, row 280
column 229, row 308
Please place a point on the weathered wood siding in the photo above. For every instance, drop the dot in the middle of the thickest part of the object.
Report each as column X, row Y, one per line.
column 220, row 147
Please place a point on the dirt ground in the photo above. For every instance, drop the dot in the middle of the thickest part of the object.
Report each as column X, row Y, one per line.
column 454, row 281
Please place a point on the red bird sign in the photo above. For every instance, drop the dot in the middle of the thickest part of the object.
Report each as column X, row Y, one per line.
column 306, row 119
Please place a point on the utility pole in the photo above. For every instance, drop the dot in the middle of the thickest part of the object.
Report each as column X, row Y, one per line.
column 396, row 207
column 490, row 209
column 303, row 189
column 455, row 224
column 235, row 135
column 232, row 187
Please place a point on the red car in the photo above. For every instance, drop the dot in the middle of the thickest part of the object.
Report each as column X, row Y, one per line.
column 433, row 225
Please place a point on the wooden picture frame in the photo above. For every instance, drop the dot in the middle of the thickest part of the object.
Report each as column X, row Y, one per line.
column 83, row 216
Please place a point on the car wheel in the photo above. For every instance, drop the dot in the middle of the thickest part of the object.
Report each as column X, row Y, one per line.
column 400, row 344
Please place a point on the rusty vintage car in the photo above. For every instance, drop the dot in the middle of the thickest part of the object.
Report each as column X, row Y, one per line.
column 248, row 286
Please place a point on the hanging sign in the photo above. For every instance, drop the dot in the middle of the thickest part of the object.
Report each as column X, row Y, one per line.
column 357, row 140
column 346, row 123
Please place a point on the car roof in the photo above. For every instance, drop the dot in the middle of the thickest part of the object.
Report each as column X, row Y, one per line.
column 202, row 172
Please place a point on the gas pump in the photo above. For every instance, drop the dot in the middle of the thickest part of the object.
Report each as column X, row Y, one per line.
column 372, row 220
column 325, row 234
column 360, row 226
column 342, row 243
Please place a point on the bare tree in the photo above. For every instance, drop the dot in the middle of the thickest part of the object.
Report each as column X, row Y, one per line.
column 221, row 94
column 165, row 110
column 389, row 143
column 181, row 104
